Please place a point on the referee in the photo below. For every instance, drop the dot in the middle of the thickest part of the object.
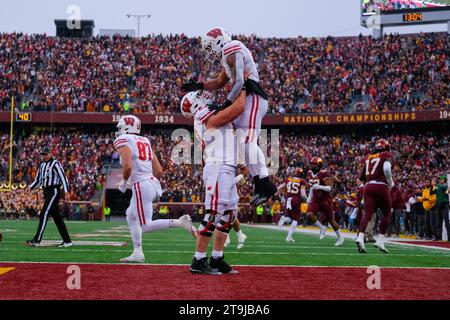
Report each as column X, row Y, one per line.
column 50, row 176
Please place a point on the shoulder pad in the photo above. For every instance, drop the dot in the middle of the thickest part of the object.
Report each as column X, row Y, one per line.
column 121, row 141
column 232, row 47
column 203, row 114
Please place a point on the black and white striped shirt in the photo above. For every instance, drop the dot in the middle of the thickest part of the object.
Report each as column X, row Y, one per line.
column 50, row 174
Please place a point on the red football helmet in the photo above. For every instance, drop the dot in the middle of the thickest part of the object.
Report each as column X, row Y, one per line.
column 382, row 145
column 316, row 164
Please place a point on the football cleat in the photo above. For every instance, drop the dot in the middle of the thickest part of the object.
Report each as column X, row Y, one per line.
column 186, row 223
column 290, row 240
column 136, row 257
column 65, row 245
column 1, row 236
column 380, row 246
column 339, row 242
column 220, row 265
column 241, row 241
column 202, row 267
column 323, row 232
column 31, row 243
column 361, row 246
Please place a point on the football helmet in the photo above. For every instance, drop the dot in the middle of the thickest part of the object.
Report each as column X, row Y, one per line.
column 128, row 125
column 194, row 101
column 316, row 164
column 382, row 145
column 213, row 42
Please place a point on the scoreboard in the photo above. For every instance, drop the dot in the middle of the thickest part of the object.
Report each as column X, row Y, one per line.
column 436, row 13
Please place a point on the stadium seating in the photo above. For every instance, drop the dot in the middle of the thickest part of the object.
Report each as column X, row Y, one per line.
column 122, row 74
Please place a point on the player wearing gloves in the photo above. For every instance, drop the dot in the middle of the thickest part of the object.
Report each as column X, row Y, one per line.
column 320, row 198
column 216, row 134
column 141, row 171
column 240, row 69
column 377, row 174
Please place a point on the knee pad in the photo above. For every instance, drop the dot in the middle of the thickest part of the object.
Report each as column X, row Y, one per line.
column 226, row 222
column 207, row 226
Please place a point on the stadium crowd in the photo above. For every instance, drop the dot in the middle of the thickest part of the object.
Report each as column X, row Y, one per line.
column 124, row 75
column 86, row 155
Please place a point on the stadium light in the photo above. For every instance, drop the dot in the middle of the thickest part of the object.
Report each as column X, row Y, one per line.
column 139, row 17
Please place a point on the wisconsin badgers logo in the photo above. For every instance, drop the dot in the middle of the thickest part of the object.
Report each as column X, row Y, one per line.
column 187, row 106
column 214, row 33
column 128, row 121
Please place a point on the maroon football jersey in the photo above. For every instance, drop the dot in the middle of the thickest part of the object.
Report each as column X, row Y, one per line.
column 373, row 166
column 293, row 186
column 319, row 178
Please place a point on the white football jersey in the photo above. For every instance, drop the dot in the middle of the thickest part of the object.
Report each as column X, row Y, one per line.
column 141, row 154
column 250, row 69
column 219, row 145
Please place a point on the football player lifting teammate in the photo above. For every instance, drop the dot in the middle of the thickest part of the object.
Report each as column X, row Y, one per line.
column 240, row 69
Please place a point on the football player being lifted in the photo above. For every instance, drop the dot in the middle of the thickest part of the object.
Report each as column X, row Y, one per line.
column 215, row 132
column 240, row 69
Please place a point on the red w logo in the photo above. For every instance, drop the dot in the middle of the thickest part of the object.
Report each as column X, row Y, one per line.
column 129, row 121
column 214, row 33
column 187, row 106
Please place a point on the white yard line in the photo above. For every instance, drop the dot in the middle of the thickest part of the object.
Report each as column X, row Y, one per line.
column 237, row 265
column 54, row 250
column 347, row 235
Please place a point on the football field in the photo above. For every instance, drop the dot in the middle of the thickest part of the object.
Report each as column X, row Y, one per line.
column 269, row 267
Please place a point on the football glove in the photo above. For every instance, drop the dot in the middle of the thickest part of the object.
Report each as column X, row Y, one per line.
column 219, row 107
column 192, row 85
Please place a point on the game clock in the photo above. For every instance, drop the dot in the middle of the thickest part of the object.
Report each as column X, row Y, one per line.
column 24, row 117
column 413, row 17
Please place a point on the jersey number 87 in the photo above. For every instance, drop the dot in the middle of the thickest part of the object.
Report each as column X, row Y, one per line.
column 143, row 148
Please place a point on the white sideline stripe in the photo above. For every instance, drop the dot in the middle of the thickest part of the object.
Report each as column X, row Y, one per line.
column 236, row 265
column 159, row 244
column 237, row 252
column 351, row 236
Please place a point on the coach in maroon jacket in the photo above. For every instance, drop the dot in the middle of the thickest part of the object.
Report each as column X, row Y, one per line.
column 398, row 205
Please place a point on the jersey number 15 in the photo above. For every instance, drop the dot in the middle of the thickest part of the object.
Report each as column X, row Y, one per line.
column 145, row 151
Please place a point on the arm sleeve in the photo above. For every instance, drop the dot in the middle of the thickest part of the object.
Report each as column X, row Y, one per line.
column 239, row 66
column 36, row 180
column 388, row 172
column 323, row 188
column 62, row 176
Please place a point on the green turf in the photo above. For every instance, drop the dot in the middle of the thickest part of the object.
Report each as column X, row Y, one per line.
column 263, row 247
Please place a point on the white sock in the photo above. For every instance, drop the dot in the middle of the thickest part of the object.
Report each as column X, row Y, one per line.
column 292, row 229
column 361, row 237
column 381, row 238
column 217, row 254
column 199, row 255
column 136, row 233
column 255, row 160
column 156, row 225
column 338, row 233
column 281, row 222
column 240, row 235
column 318, row 224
